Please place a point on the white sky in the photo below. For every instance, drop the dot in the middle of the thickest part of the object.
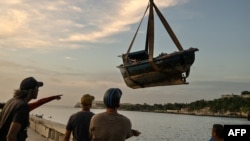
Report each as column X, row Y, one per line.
column 72, row 46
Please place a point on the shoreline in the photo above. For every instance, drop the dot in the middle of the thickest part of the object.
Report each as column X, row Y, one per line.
column 179, row 112
column 204, row 114
column 183, row 112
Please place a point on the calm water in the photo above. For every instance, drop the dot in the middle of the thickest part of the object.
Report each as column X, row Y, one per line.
column 153, row 126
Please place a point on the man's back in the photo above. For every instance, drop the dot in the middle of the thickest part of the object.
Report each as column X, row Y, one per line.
column 79, row 124
column 110, row 127
column 15, row 110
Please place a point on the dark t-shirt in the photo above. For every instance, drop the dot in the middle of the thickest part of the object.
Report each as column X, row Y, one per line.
column 15, row 110
column 78, row 124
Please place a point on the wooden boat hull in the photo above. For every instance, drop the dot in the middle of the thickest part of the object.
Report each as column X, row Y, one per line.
column 173, row 70
column 153, row 79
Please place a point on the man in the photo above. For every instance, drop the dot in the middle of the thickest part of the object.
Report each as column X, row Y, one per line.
column 78, row 123
column 110, row 125
column 15, row 114
column 217, row 133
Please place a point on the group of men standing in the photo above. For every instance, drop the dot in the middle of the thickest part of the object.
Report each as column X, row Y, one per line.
column 83, row 125
column 105, row 126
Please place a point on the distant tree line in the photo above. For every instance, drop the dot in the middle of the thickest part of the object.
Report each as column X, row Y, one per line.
column 233, row 104
column 222, row 105
column 245, row 92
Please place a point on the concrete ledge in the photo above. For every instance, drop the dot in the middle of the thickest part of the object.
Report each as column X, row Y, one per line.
column 34, row 136
column 53, row 131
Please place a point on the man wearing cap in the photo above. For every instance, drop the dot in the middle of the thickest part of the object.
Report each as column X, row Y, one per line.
column 78, row 123
column 14, row 118
column 110, row 125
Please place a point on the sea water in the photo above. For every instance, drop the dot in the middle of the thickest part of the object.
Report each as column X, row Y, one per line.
column 153, row 126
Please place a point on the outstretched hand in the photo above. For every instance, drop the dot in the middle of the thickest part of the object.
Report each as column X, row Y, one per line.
column 135, row 132
column 58, row 97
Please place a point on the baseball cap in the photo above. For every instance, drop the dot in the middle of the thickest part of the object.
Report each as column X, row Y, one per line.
column 112, row 97
column 87, row 99
column 30, row 83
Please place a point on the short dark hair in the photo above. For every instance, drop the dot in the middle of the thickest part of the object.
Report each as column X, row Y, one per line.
column 219, row 130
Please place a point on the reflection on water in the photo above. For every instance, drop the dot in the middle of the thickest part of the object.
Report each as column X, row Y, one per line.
column 153, row 126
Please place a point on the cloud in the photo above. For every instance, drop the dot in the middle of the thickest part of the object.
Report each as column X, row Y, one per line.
column 11, row 22
column 66, row 24
column 116, row 20
column 69, row 58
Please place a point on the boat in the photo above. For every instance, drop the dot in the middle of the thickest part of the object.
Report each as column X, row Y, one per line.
column 140, row 69
column 173, row 68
